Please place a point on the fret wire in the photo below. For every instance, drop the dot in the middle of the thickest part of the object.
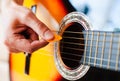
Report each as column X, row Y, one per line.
column 117, row 56
column 90, row 47
column 96, row 52
column 103, row 47
column 110, row 50
column 84, row 59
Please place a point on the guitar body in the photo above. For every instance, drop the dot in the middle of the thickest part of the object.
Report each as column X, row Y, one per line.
column 42, row 67
column 42, row 64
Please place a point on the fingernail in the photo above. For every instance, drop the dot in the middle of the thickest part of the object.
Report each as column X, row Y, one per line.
column 49, row 35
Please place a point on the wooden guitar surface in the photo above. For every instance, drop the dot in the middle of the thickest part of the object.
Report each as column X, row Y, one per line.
column 42, row 66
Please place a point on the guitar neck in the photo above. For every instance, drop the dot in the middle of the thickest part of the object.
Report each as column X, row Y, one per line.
column 102, row 49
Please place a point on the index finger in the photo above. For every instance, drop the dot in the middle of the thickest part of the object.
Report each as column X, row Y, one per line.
column 28, row 18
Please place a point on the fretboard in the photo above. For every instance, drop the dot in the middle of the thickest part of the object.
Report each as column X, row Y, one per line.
column 102, row 49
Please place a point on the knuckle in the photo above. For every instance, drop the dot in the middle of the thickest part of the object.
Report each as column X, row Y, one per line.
column 27, row 13
column 41, row 26
column 10, row 45
column 29, row 50
column 9, row 41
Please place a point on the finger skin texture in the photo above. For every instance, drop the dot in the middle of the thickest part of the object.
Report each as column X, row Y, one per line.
column 23, row 29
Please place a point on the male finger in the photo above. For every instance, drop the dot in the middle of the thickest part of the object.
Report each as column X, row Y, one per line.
column 28, row 18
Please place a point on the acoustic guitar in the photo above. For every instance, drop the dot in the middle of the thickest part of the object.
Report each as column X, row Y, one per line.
column 69, row 58
column 42, row 66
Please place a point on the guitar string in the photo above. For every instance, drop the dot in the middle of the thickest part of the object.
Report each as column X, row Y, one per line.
column 79, row 44
column 71, row 43
column 81, row 33
column 83, row 56
column 91, row 57
column 84, row 51
column 81, row 49
column 87, row 39
column 105, row 60
column 86, row 57
column 97, row 64
column 90, row 32
column 99, row 46
column 83, row 44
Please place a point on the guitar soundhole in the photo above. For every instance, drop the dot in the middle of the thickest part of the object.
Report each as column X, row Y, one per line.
column 72, row 45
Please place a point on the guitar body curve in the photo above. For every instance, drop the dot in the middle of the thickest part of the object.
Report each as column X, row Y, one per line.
column 42, row 66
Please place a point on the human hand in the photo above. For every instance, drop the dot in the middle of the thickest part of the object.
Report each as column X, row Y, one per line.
column 22, row 29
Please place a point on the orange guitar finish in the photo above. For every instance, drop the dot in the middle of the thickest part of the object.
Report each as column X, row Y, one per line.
column 42, row 65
